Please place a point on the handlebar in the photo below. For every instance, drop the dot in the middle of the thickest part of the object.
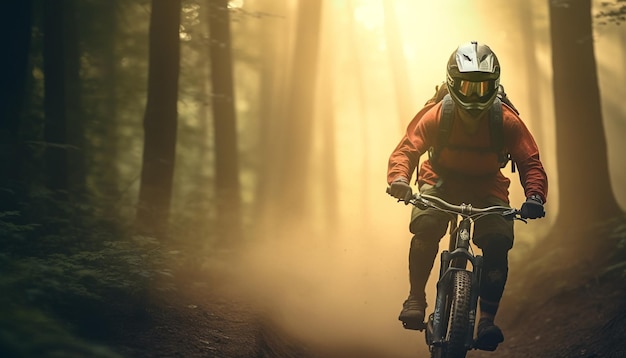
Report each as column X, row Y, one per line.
column 424, row 201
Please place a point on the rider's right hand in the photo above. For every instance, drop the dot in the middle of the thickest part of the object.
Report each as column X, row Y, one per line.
column 533, row 208
column 400, row 188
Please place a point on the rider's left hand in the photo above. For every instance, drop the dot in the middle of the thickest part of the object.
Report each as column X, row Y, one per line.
column 533, row 208
column 400, row 189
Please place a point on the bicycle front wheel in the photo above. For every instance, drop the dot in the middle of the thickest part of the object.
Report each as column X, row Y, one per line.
column 457, row 327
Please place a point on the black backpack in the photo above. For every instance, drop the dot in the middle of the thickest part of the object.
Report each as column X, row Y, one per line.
column 495, row 126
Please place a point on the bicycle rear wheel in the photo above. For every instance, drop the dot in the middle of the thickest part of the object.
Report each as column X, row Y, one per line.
column 458, row 312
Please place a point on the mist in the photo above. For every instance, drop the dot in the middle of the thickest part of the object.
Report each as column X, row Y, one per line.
column 343, row 284
column 219, row 167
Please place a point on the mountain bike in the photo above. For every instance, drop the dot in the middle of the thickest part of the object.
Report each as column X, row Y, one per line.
column 450, row 328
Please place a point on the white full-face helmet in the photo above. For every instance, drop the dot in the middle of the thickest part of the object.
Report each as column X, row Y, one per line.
column 473, row 76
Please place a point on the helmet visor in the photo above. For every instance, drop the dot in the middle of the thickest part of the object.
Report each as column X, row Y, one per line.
column 481, row 88
column 473, row 94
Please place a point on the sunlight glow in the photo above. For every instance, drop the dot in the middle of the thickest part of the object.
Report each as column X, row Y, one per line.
column 235, row 4
column 358, row 122
column 369, row 14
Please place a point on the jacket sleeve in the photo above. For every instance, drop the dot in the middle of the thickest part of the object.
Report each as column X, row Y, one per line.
column 405, row 157
column 525, row 153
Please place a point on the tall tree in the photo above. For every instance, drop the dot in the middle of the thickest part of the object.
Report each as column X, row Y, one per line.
column 273, row 39
column 585, row 194
column 359, row 58
column 228, row 190
column 326, row 106
column 399, row 68
column 287, row 91
column 294, row 156
column 64, row 134
column 160, row 119
column 523, row 13
column 107, row 57
column 15, row 27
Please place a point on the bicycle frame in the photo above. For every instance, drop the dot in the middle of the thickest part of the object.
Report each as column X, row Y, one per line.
column 453, row 261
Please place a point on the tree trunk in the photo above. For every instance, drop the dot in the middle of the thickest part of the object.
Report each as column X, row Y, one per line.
column 108, row 181
column 76, row 153
column 228, row 189
column 273, row 39
column 15, row 27
column 585, row 194
column 524, row 15
column 56, row 96
column 361, row 134
column 328, row 166
column 293, row 177
column 399, row 68
column 160, row 120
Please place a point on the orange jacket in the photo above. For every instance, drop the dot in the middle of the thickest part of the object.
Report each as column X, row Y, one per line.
column 480, row 170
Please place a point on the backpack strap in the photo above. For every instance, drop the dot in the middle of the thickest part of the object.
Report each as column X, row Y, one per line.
column 446, row 118
column 495, row 126
column 496, row 134
column 445, row 121
column 505, row 99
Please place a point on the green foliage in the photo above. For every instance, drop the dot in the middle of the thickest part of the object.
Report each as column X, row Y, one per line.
column 10, row 230
column 29, row 326
column 71, row 278
column 30, row 332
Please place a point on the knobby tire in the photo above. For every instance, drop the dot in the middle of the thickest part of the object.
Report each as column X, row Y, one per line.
column 458, row 317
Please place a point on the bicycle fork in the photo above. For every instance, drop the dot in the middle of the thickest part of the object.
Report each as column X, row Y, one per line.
column 460, row 254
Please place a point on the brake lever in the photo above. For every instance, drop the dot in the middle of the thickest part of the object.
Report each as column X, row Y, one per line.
column 513, row 215
column 403, row 201
column 421, row 203
column 406, row 201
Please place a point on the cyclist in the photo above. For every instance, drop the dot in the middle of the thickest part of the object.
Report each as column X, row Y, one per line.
column 466, row 170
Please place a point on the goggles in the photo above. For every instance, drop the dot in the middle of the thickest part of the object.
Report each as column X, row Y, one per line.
column 481, row 88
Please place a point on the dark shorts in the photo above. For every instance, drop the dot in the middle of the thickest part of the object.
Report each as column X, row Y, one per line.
column 490, row 226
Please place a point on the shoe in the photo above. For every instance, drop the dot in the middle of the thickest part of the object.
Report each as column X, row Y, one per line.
column 488, row 336
column 412, row 314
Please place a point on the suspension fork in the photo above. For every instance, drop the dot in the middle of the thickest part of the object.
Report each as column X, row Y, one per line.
column 477, row 267
column 463, row 240
column 458, row 255
column 443, row 283
column 440, row 300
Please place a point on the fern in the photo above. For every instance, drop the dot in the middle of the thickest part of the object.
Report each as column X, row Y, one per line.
column 69, row 275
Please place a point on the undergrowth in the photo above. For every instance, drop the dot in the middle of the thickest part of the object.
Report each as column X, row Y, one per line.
column 618, row 235
column 70, row 278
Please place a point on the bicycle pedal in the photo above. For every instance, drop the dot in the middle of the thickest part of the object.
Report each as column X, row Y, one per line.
column 488, row 348
column 414, row 326
column 489, row 340
column 486, row 345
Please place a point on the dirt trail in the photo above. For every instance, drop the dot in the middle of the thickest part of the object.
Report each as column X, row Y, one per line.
column 341, row 307
column 203, row 321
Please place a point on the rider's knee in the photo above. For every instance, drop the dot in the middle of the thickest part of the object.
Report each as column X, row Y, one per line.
column 424, row 245
column 429, row 227
column 495, row 244
column 495, row 251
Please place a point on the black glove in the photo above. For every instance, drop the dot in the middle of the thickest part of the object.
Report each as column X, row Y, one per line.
column 400, row 189
column 533, row 208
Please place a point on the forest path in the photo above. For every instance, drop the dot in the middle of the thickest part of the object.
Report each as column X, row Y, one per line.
column 201, row 320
